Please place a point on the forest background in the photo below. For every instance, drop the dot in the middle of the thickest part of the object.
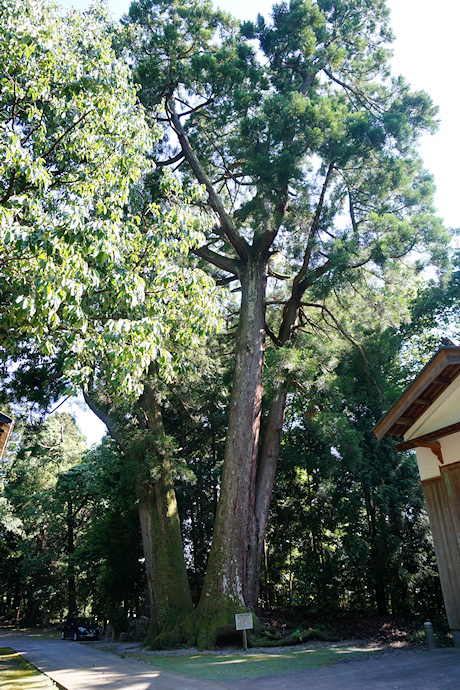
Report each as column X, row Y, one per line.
column 346, row 528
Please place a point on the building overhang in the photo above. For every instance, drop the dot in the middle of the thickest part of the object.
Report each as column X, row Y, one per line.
column 432, row 381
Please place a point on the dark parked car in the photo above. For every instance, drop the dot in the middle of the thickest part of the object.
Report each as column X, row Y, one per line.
column 80, row 629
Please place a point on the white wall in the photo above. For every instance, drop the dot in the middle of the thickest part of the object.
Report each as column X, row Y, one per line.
column 443, row 412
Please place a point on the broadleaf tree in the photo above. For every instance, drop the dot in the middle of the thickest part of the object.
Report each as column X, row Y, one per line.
column 94, row 275
column 81, row 236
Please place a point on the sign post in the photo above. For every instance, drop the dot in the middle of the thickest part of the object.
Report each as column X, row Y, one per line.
column 243, row 621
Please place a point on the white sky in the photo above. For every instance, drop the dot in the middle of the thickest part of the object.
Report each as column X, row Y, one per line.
column 427, row 53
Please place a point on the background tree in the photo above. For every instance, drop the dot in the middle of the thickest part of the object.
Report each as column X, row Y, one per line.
column 107, row 547
column 35, row 545
column 352, row 531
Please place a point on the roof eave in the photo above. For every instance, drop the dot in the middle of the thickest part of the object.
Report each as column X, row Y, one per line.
column 443, row 358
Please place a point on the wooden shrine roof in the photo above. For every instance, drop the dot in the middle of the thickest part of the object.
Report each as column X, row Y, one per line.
column 436, row 376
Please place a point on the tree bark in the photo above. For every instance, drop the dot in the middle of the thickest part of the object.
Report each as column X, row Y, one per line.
column 266, row 471
column 167, row 584
column 71, row 586
column 223, row 590
column 161, row 532
column 268, row 463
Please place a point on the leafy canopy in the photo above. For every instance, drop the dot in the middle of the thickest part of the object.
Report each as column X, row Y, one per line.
column 86, row 255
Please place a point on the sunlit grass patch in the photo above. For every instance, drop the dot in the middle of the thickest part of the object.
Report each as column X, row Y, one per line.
column 17, row 674
column 244, row 665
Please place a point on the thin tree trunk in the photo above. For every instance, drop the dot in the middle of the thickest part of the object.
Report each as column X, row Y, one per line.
column 223, row 590
column 266, row 471
column 377, row 573
column 71, row 587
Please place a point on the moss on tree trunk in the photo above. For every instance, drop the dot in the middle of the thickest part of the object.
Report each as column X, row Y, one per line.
column 167, row 583
column 223, row 590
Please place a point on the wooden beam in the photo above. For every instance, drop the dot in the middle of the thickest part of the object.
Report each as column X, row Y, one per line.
column 433, row 371
column 427, row 438
column 443, row 380
column 403, row 421
column 434, row 446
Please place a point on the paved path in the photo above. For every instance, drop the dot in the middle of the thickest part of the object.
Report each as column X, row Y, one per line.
column 79, row 666
column 404, row 670
column 82, row 667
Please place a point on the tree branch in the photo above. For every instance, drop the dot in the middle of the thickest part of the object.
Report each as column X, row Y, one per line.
column 238, row 243
column 65, row 133
column 313, row 230
column 275, row 340
column 222, row 262
column 179, row 156
column 345, row 333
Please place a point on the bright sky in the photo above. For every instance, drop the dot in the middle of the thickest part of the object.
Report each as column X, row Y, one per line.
column 427, row 53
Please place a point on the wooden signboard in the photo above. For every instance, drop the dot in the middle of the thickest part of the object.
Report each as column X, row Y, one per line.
column 243, row 621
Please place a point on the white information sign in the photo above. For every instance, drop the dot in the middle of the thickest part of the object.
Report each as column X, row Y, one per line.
column 243, row 621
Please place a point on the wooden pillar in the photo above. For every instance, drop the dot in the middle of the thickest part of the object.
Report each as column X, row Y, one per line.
column 442, row 496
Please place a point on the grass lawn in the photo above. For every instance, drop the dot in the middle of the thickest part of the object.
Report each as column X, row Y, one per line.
column 17, row 674
column 246, row 665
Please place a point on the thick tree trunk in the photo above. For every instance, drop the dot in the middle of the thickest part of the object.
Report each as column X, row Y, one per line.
column 161, row 533
column 167, row 584
column 223, row 590
column 267, row 465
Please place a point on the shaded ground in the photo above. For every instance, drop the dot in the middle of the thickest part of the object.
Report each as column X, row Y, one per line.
column 231, row 664
column 393, row 630
column 79, row 666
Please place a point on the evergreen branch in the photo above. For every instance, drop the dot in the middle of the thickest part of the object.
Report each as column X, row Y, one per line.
column 238, row 243
column 179, row 156
column 312, row 276
column 268, row 237
column 190, row 111
column 300, row 277
column 352, row 213
column 275, row 340
column 341, row 329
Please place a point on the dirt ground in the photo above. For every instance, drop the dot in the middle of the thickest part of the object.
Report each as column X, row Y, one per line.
column 392, row 630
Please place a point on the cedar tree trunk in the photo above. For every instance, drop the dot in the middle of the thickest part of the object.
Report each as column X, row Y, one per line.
column 266, row 471
column 223, row 590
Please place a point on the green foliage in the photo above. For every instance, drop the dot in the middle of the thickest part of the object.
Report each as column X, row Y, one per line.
column 34, row 542
column 87, row 254
column 68, row 520
column 349, row 529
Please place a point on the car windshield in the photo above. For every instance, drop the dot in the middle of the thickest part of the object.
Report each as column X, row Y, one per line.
column 82, row 622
